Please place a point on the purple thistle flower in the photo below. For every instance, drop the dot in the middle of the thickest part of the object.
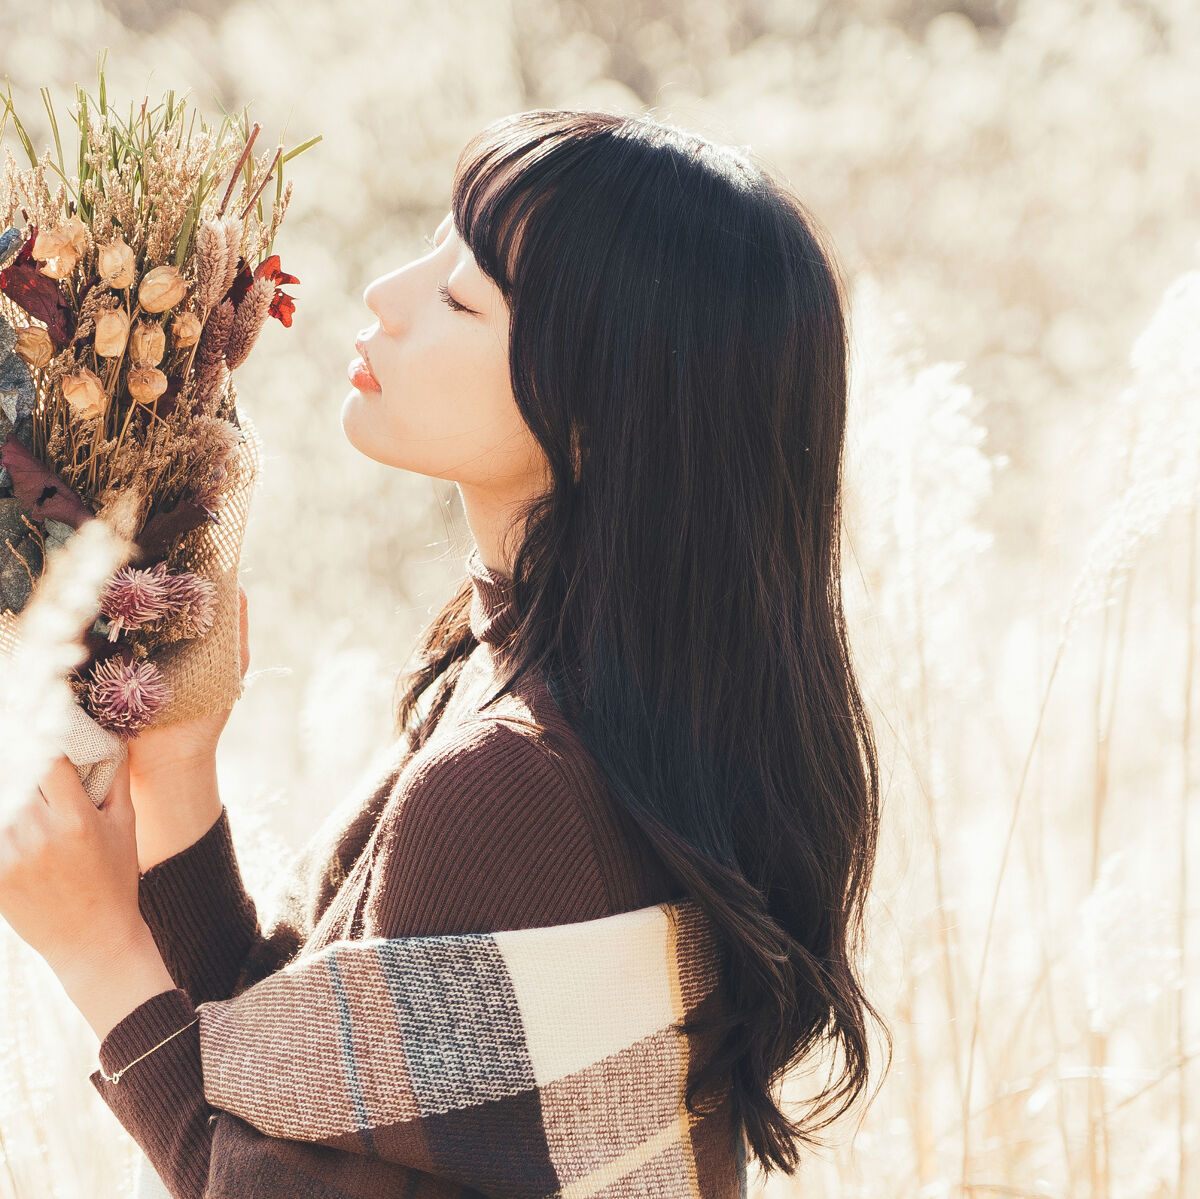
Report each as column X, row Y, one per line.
column 125, row 695
column 193, row 596
column 134, row 597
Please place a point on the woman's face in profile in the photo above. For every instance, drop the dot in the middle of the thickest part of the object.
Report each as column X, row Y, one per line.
column 444, row 405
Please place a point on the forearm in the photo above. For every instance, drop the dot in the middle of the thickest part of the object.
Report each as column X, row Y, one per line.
column 191, row 893
column 174, row 806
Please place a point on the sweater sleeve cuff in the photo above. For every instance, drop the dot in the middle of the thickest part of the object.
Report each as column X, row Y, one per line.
column 160, row 1099
column 203, row 919
column 150, row 1023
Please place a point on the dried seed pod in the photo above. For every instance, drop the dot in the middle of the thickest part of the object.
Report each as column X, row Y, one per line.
column 61, row 265
column 146, row 383
column 84, row 392
column 35, row 346
column 185, row 329
column 147, row 342
column 161, row 288
column 116, row 265
column 77, row 234
column 50, row 243
column 112, row 332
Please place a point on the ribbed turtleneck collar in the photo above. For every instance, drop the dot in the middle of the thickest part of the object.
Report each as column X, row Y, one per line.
column 493, row 615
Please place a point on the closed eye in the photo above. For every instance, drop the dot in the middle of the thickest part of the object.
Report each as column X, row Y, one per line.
column 444, row 292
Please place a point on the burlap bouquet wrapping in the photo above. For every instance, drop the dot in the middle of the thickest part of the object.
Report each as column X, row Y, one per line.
column 204, row 673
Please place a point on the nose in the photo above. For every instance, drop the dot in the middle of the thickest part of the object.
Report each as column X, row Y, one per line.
column 382, row 297
column 370, row 297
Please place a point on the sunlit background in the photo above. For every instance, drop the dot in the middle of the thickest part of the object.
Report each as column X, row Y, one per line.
column 1014, row 191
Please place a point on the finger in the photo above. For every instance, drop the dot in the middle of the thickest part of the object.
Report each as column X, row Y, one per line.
column 63, row 789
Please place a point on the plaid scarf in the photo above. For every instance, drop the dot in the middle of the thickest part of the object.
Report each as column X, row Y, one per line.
column 533, row 1062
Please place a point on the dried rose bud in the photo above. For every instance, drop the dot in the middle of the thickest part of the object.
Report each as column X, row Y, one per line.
column 116, row 264
column 146, row 383
column 35, row 346
column 161, row 288
column 185, row 329
column 147, row 343
column 85, row 393
column 112, row 331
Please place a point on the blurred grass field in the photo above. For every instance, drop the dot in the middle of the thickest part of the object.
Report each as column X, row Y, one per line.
column 1013, row 189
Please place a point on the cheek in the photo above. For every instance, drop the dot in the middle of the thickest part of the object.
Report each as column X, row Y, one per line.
column 446, row 410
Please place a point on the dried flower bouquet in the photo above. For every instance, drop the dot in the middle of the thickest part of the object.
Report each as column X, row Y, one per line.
column 128, row 293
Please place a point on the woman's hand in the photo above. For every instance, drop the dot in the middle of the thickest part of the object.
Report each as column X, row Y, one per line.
column 69, row 872
column 156, row 755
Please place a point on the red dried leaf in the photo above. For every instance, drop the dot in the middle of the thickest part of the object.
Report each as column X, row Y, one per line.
column 41, row 492
column 282, row 307
column 269, row 269
column 38, row 294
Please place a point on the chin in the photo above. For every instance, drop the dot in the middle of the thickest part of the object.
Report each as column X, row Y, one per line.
column 357, row 426
column 352, row 424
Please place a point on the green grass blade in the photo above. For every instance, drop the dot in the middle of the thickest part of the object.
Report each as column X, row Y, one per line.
column 312, row 141
column 185, row 233
column 81, row 98
column 21, row 134
column 53, row 127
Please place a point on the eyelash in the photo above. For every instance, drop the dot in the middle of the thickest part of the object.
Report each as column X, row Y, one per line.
column 444, row 292
column 442, row 289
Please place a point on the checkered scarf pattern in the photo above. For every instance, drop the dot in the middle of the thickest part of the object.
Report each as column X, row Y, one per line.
column 533, row 1062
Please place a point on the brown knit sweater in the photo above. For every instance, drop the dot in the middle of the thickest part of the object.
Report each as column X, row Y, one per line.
column 490, row 826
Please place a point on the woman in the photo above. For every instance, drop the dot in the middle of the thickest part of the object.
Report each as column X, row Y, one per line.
column 627, row 347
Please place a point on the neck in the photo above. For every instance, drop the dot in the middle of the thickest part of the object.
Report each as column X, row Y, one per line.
column 490, row 517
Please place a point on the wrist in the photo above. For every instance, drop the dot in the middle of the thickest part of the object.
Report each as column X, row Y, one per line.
column 174, row 806
column 109, row 982
column 172, row 770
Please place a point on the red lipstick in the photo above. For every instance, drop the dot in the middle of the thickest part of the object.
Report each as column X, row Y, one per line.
column 360, row 370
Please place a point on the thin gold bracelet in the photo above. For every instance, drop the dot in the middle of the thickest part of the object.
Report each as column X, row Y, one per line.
column 117, row 1077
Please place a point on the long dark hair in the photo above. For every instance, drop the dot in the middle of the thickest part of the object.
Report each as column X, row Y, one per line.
column 679, row 349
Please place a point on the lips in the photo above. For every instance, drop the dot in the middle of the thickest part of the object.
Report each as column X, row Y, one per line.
column 361, row 347
column 363, row 368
